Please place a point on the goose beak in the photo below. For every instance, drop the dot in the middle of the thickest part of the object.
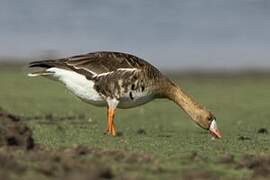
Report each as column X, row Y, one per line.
column 213, row 130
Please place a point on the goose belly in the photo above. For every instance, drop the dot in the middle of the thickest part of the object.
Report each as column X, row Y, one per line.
column 134, row 99
column 78, row 85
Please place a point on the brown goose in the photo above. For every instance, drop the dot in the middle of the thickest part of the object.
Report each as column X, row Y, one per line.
column 120, row 80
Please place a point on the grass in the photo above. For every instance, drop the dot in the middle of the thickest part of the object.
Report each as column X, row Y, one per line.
column 159, row 129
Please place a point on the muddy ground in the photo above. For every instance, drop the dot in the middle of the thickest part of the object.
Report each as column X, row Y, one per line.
column 22, row 158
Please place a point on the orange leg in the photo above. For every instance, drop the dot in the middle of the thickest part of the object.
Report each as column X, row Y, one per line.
column 111, row 129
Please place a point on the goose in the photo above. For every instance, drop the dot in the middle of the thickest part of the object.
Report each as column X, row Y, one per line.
column 120, row 80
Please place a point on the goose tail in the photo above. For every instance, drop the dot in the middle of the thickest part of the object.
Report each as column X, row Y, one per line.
column 40, row 73
column 45, row 64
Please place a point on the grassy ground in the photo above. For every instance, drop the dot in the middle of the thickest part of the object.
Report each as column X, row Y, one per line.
column 158, row 131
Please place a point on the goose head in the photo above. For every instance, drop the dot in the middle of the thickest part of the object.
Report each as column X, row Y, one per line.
column 207, row 120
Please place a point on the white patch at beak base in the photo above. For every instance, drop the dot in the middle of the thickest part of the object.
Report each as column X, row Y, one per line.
column 213, row 129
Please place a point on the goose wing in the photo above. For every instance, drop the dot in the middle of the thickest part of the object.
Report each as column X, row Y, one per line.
column 102, row 62
column 95, row 63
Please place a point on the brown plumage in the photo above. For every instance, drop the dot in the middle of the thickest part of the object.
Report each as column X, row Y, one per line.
column 121, row 80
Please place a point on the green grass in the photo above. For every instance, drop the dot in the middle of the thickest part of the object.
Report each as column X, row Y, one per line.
column 240, row 103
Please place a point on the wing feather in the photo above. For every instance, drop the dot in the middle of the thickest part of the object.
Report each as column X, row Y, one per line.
column 103, row 62
column 93, row 64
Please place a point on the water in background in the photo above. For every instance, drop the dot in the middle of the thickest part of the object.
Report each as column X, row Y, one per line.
column 226, row 34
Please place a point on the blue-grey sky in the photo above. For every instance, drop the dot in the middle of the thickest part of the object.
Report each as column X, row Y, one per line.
column 174, row 33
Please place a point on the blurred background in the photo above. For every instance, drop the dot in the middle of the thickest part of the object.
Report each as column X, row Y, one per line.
column 208, row 35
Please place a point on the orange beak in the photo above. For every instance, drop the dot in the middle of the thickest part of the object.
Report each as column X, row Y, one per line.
column 213, row 130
